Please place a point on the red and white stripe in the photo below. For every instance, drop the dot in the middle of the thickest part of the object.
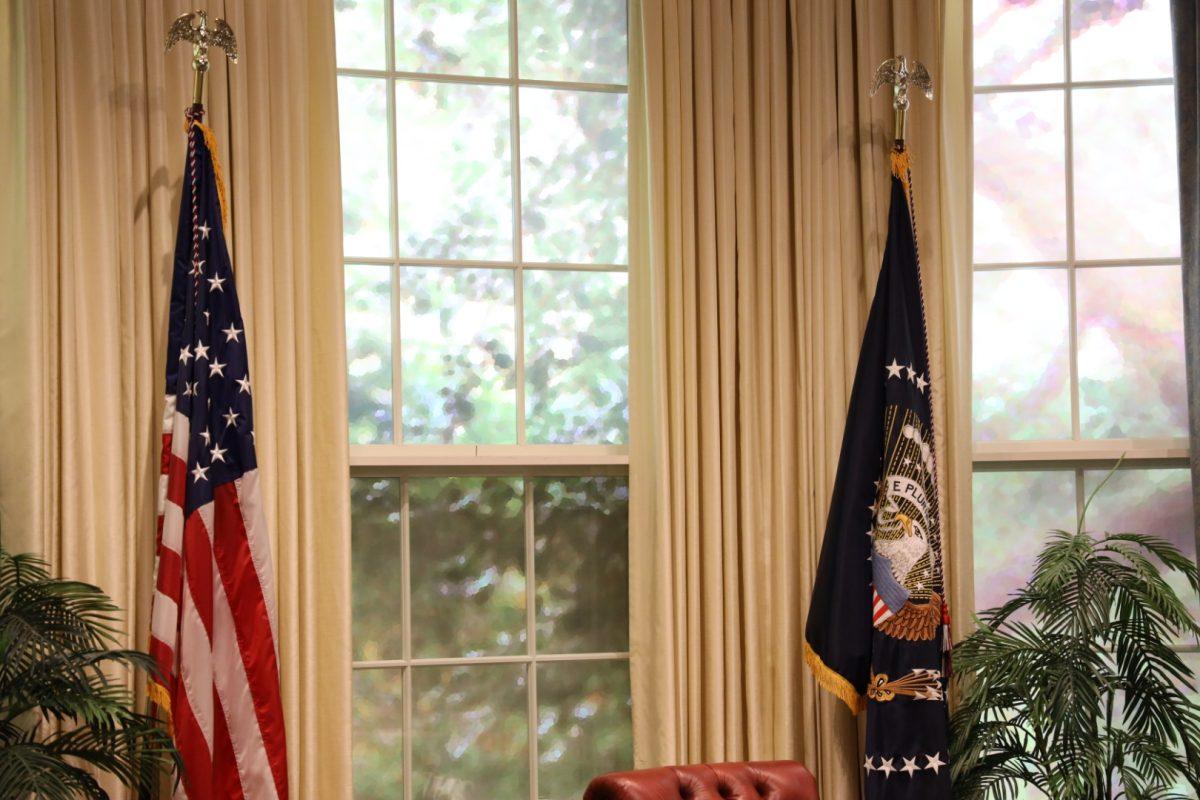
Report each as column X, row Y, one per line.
column 213, row 633
column 880, row 612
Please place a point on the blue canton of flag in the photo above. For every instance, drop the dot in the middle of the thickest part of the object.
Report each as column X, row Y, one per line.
column 210, row 372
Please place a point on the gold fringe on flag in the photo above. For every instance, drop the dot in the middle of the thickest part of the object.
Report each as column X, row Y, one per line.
column 833, row 682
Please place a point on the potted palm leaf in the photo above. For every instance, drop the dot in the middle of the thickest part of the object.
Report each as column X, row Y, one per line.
column 1074, row 687
column 65, row 713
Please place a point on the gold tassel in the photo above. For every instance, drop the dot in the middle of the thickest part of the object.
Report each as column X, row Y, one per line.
column 160, row 697
column 833, row 682
column 211, row 141
column 902, row 169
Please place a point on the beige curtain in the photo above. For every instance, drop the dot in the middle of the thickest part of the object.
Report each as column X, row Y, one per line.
column 99, row 138
column 760, row 177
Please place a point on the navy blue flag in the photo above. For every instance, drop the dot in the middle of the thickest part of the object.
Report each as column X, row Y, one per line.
column 877, row 624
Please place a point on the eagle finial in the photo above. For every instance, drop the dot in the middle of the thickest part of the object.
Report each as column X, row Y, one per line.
column 902, row 74
column 202, row 37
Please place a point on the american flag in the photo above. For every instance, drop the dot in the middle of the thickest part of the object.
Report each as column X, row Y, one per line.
column 213, row 628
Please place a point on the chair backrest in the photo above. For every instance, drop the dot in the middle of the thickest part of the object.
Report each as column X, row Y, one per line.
column 738, row 780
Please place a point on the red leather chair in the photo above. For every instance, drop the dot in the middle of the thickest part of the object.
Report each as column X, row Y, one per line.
column 739, row 780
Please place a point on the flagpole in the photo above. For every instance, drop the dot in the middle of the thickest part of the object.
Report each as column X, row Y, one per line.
column 202, row 37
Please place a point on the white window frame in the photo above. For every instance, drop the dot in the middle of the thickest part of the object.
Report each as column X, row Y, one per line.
column 1075, row 453
column 466, row 456
column 522, row 460
column 530, row 659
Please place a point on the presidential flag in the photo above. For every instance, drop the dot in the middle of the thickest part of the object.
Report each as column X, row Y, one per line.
column 877, row 630
column 213, row 629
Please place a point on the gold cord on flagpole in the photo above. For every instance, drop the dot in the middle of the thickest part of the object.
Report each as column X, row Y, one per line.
column 211, row 142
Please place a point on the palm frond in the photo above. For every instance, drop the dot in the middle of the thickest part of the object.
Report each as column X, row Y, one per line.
column 60, row 663
column 1073, row 685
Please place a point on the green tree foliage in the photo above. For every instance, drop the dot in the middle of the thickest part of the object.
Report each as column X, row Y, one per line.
column 63, row 716
column 458, row 355
column 469, row 590
column 574, row 209
column 1073, row 686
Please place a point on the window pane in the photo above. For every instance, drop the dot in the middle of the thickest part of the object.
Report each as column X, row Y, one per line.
column 369, row 353
column 1112, row 41
column 1021, row 355
column 454, row 168
column 1018, row 41
column 455, row 37
column 1126, row 180
column 1192, row 662
column 581, row 542
column 366, row 212
column 470, row 732
column 1020, row 180
column 1131, row 368
column 377, row 567
column 584, row 725
column 1155, row 502
column 572, row 40
column 359, row 26
column 1007, row 544
column 576, row 357
column 468, row 566
column 575, row 203
column 457, row 346
column 378, row 734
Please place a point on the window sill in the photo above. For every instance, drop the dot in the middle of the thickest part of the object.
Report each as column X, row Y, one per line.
column 386, row 458
column 1139, row 451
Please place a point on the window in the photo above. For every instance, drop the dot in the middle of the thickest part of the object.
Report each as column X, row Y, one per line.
column 484, row 172
column 1078, row 319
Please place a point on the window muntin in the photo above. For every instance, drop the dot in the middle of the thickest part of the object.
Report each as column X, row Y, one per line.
column 1078, row 333
column 515, row 635
column 451, row 162
column 484, row 162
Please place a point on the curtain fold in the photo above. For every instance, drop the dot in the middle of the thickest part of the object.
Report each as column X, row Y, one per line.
column 83, row 333
column 759, row 175
column 1186, row 25
column 950, row 349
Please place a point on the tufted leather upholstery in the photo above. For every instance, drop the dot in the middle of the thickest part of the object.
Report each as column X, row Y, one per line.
column 739, row 780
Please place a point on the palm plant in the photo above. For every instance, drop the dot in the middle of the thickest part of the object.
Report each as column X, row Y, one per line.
column 1073, row 686
column 63, row 716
